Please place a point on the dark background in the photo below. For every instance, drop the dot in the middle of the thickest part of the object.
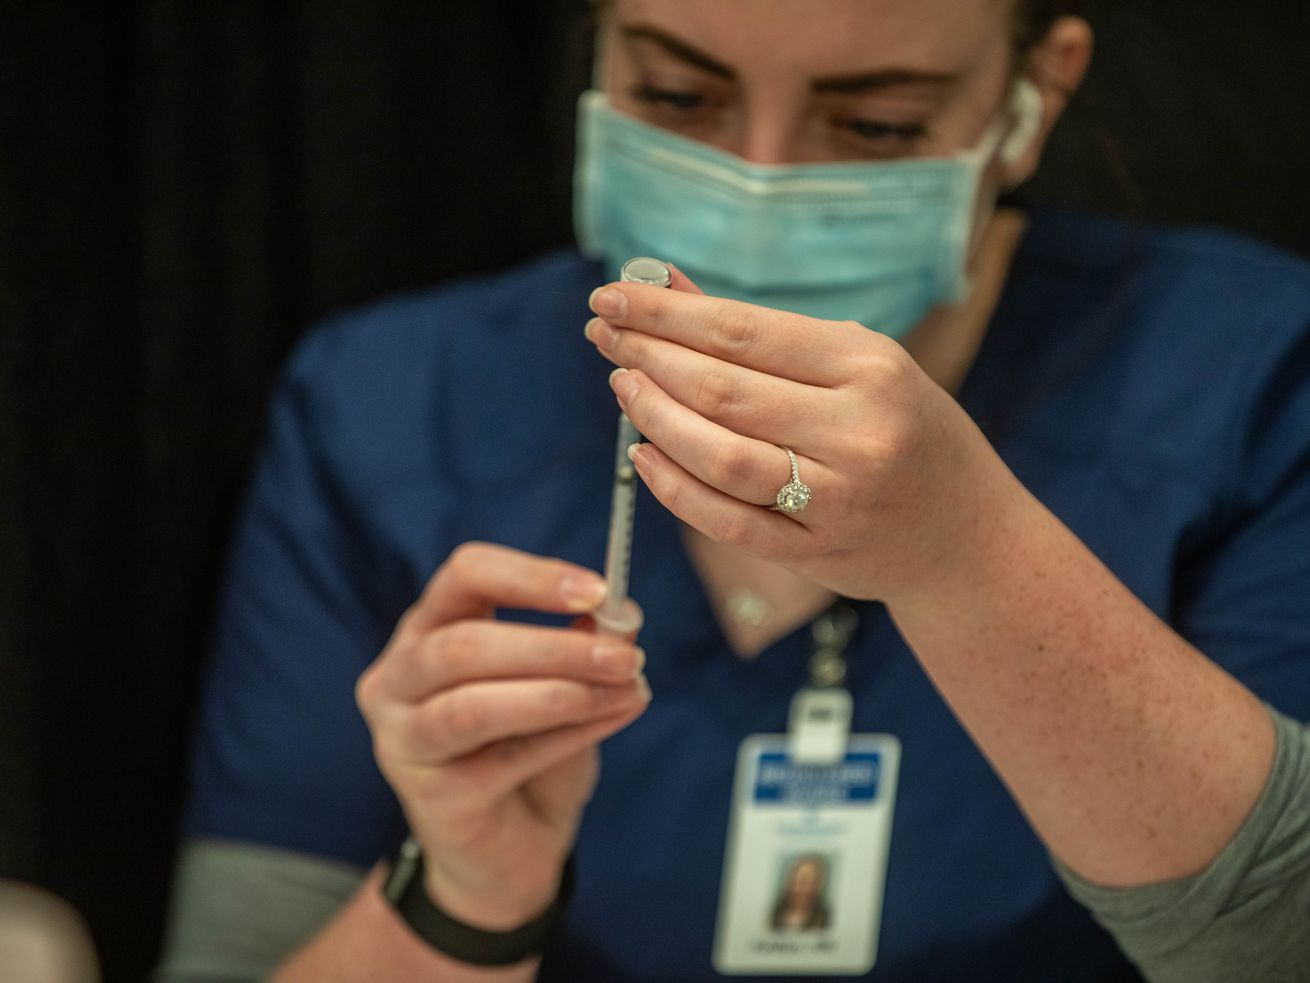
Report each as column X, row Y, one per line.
column 184, row 187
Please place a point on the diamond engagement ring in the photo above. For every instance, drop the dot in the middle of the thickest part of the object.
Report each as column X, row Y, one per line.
column 794, row 495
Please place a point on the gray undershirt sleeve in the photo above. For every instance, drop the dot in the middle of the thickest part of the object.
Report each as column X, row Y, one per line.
column 238, row 909
column 1246, row 917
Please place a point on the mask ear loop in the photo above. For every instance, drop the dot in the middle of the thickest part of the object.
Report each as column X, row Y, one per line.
column 1010, row 134
column 1029, row 114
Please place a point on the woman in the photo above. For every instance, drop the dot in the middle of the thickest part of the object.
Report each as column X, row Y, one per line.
column 801, row 906
column 1142, row 387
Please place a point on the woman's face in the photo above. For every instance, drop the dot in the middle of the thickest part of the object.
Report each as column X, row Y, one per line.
column 790, row 81
column 805, row 882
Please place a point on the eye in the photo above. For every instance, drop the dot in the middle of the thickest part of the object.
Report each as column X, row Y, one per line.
column 674, row 99
column 885, row 137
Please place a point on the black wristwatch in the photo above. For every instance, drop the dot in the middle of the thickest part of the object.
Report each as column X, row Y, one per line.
column 448, row 935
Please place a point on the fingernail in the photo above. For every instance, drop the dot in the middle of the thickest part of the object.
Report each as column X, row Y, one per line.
column 643, row 688
column 624, row 385
column 639, row 460
column 617, row 660
column 600, row 334
column 608, row 303
column 583, row 594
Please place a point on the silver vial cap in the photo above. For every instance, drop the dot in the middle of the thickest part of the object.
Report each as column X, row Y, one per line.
column 643, row 269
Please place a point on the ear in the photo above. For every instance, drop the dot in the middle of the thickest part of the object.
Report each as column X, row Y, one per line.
column 1055, row 67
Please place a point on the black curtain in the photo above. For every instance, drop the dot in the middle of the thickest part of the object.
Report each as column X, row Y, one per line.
column 185, row 187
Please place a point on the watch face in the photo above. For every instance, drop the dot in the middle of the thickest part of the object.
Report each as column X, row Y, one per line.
column 408, row 862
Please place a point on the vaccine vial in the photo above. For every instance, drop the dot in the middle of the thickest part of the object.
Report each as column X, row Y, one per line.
column 643, row 269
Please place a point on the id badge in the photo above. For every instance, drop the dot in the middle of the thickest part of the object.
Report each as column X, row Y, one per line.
column 806, row 861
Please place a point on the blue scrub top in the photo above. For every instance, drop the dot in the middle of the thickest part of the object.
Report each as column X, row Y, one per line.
column 1151, row 387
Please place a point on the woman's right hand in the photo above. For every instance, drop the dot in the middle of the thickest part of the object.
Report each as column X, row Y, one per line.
column 487, row 731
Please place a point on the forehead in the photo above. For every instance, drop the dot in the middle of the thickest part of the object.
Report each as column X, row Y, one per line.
column 829, row 37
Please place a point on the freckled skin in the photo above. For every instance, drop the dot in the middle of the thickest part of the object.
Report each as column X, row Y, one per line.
column 1135, row 757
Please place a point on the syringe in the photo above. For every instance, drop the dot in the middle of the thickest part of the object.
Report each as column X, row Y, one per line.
column 615, row 615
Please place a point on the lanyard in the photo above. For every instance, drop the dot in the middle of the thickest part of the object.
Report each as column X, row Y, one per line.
column 832, row 633
column 820, row 720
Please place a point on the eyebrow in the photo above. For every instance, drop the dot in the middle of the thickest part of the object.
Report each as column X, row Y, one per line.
column 678, row 49
column 860, row 82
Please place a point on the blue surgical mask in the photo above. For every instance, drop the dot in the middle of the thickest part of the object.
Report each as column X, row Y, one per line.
column 882, row 243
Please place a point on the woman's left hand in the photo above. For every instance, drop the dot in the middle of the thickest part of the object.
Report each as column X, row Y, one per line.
column 905, row 488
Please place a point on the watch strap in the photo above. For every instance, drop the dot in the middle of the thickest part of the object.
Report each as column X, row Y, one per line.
column 456, row 939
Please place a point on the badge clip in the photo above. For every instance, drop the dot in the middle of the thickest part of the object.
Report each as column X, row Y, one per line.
column 819, row 726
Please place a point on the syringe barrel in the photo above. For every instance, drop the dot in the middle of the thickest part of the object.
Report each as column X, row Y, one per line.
column 623, row 506
column 616, row 616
